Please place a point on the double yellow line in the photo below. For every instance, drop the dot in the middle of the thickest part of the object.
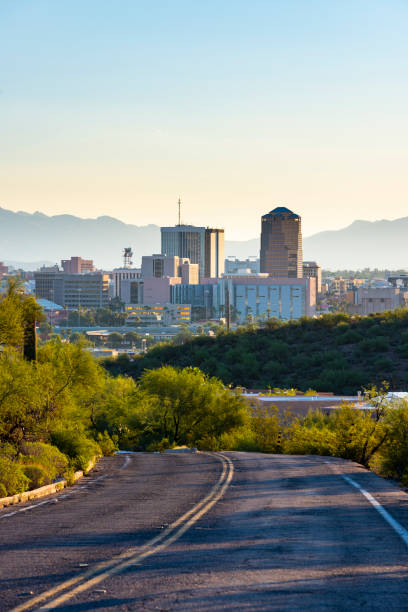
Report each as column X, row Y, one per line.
column 52, row 598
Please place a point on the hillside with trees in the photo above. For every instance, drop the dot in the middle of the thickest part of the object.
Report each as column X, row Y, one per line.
column 338, row 353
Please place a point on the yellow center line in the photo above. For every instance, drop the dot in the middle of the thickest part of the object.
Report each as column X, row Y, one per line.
column 134, row 556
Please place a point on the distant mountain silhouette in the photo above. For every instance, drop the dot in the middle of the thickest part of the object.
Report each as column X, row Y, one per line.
column 29, row 240
column 33, row 237
column 36, row 237
column 363, row 244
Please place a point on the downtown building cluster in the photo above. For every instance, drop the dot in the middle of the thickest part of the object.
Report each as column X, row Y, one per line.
column 191, row 280
column 188, row 278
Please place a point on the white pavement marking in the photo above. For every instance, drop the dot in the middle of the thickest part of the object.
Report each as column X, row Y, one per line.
column 397, row 527
column 134, row 556
column 53, row 499
column 126, row 462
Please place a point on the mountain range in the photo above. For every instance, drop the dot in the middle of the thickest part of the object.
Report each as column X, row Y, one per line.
column 29, row 240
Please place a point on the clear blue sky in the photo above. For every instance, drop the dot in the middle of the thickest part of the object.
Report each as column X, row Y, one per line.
column 118, row 107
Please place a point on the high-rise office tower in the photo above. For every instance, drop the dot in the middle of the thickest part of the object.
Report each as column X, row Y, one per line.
column 214, row 264
column 281, row 244
column 201, row 245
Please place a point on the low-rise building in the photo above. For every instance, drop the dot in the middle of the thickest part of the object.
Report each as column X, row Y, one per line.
column 77, row 265
column 368, row 300
column 72, row 291
column 158, row 290
column 262, row 296
column 340, row 286
column 125, row 283
column 312, row 270
column 164, row 314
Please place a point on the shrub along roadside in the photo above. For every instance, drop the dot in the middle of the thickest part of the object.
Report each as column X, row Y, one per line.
column 43, row 392
column 79, row 449
column 12, row 477
column 377, row 439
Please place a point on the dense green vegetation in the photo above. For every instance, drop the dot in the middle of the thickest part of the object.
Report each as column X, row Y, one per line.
column 377, row 439
column 89, row 317
column 59, row 407
column 338, row 353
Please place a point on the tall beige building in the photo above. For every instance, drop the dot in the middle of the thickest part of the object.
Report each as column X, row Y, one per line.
column 214, row 253
column 201, row 245
column 281, row 244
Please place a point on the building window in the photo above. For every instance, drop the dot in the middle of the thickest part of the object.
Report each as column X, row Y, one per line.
column 158, row 268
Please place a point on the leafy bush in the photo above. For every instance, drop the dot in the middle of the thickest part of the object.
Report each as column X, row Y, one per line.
column 265, row 425
column 309, row 440
column 394, row 454
column 52, row 461
column 371, row 345
column 384, row 364
column 80, row 449
column 37, row 475
column 242, row 439
column 349, row 337
column 106, row 444
column 12, row 477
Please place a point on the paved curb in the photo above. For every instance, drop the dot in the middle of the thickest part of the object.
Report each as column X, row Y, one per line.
column 54, row 487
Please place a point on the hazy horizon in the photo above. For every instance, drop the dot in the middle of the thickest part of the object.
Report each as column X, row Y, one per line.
column 243, row 239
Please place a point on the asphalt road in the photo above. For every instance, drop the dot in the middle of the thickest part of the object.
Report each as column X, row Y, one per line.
column 240, row 531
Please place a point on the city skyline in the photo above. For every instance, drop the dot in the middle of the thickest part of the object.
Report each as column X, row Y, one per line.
column 236, row 109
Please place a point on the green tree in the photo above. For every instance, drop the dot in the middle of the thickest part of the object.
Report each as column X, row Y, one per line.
column 115, row 339
column 394, row 453
column 19, row 314
column 192, row 408
column 132, row 338
column 265, row 424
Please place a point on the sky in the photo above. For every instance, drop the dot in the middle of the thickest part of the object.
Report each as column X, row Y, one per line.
column 120, row 107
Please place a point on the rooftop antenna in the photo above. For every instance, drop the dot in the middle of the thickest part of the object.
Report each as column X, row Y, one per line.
column 179, row 211
column 127, row 257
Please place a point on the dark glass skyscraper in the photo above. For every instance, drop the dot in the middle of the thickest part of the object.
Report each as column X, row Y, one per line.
column 281, row 244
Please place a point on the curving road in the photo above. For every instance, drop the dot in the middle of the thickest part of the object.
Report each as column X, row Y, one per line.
column 231, row 531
